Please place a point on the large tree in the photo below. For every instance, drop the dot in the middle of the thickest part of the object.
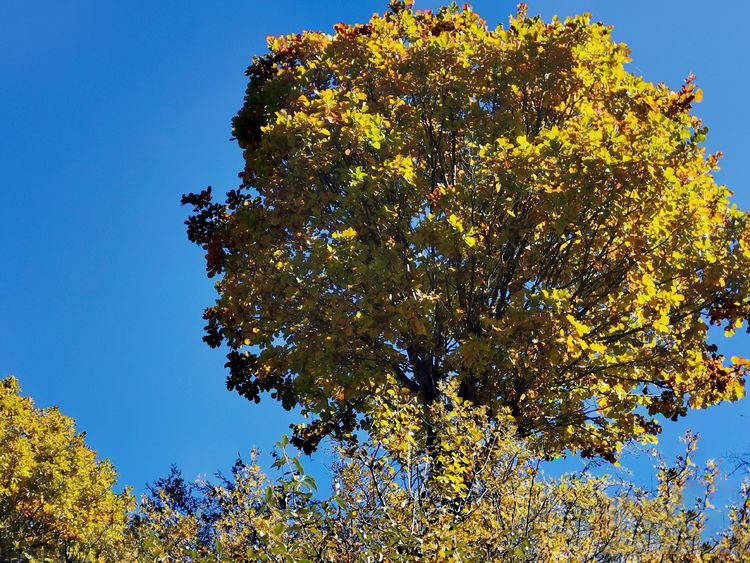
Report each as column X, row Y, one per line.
column 425, row 199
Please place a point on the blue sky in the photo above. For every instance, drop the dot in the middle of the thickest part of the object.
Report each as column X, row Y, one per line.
column 109, row 111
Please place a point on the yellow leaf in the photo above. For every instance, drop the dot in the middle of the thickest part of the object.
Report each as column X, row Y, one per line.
column 345, row 234
column 456, row 222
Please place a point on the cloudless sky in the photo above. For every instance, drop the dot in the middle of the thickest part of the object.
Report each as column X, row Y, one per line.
column 109, row 111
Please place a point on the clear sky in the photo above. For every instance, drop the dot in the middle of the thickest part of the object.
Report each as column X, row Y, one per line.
column 109, row 111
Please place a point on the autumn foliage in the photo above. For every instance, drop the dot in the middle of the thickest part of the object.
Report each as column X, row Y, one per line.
column 427, row 200
column 482, row 498
column 460, row 252
column 476, row 493
column 56, row 499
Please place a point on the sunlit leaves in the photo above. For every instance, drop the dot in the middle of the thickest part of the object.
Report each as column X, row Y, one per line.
column 476, row 493
column 56, row 499
column 431, row 200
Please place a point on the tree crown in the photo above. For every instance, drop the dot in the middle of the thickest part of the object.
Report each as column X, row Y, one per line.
column 425, row 200
column 56, row 500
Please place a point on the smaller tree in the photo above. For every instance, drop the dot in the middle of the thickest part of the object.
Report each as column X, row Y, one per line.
column 56, row 499
column 476, row 494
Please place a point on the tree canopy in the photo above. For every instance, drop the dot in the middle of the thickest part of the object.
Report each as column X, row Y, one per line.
column 427, row 200
column 487, row 501
column 476, row 493
column 56, row 499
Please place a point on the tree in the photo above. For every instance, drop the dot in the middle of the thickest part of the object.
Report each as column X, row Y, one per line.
column 427, row 200
column 488, row 502
column 56, row 500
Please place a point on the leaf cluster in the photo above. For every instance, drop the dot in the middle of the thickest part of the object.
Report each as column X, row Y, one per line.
column 480, row 497
column 56, row 499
